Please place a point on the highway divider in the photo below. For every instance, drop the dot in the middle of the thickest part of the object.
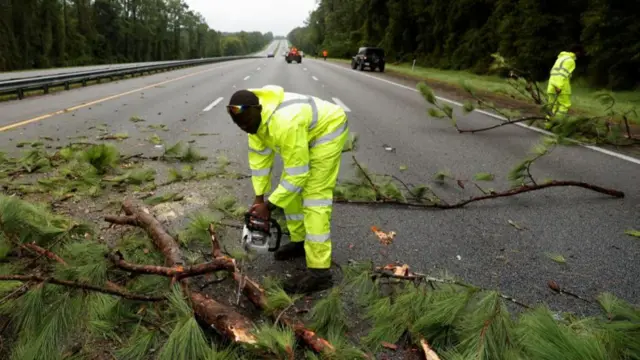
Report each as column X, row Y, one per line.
column 47, row 82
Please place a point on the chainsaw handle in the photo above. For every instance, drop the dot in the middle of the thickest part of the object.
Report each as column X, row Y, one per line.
column 275, row 224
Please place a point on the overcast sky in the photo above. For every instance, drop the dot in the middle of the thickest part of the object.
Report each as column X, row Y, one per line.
column 278, row 16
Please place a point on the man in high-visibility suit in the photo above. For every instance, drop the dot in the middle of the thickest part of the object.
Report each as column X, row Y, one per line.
column 309, row 134
column 324, row 54
column 559, row 88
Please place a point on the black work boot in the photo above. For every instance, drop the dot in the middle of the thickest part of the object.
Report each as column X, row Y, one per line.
column 289, row 251
column 310, row 281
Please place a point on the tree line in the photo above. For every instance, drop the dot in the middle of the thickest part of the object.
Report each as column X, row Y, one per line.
column 462, row 34
column 51, row 33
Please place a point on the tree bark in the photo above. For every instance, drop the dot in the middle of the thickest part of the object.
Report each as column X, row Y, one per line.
column 178, row 272
column 222, row 318
column 80, row 285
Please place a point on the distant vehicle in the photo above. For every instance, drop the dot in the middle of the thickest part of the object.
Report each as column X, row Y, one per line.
column 270, row 55
column 369, row 57
column 293, row 55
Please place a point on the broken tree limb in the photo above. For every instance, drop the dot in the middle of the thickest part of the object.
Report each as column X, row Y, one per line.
column 80, row 285
column 223, row 318
column 44, row 252
column 511, row 192
column 216, row 252
column 165, row 242
column 53, row 256
column 429, row 354
column 505, row 123
column 179, row 272
column 220, row 317
column 256, row 294
column 366, row 175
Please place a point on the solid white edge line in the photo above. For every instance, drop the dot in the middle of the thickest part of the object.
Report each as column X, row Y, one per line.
column 213, row 104
column 503, row 119
column 314, row 78
column 247, row 77
column 341, row 104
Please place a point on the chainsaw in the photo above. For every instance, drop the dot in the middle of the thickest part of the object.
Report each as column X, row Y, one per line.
column 258, row 234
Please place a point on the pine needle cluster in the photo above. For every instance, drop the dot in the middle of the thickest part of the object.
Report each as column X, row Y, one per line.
column 462, row 322
column 78, row 169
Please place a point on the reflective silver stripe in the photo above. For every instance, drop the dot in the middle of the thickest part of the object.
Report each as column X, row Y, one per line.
column 559, row 74
column 330, row 136
column 560, row 68
column 289, row 186
column 260, row 172
column 285, row 104
column 309, row 100
column 297, row 170
column 266, row 151
column 314, row 113
column 316, row 202
column 318, row 238
column 294, row 217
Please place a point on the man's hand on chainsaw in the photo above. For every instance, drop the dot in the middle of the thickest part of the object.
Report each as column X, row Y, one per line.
column 260, row 210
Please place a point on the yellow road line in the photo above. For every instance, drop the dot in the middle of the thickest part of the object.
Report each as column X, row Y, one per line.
column 73, row 108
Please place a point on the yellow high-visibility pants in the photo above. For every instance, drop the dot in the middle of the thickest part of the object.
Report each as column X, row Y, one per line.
column 561, row 104
column 309, row 216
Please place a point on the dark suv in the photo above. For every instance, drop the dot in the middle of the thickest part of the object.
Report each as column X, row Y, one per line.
column 370, row 57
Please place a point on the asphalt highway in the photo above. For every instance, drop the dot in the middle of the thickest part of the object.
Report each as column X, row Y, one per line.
column 477, row 243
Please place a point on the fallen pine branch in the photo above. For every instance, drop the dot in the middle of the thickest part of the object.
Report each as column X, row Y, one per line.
column 511, row 192
column 256, row 294
column 165, row 242
column 402, row 272
column 80, row 285
column 53, row 256
column 178, row 272
column 220, row 317
column 43, row 252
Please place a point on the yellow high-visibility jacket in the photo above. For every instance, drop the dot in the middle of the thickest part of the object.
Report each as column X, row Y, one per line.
column 560, row 75
column 292, row 125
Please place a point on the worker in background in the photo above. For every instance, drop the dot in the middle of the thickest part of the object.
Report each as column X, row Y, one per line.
column 309, row 135
column 559, row 88
column 324, row 54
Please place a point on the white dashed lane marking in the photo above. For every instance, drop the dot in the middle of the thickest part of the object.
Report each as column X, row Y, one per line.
column 314, row 78
column 341, row 104
column 247, row 77
column 213, row 104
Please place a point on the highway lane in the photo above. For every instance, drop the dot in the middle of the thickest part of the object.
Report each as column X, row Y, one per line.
column 476, row 243
column 585, row 227
column 14, row 75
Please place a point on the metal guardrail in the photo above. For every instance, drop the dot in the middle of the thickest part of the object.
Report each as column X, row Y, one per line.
column 46, row 82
